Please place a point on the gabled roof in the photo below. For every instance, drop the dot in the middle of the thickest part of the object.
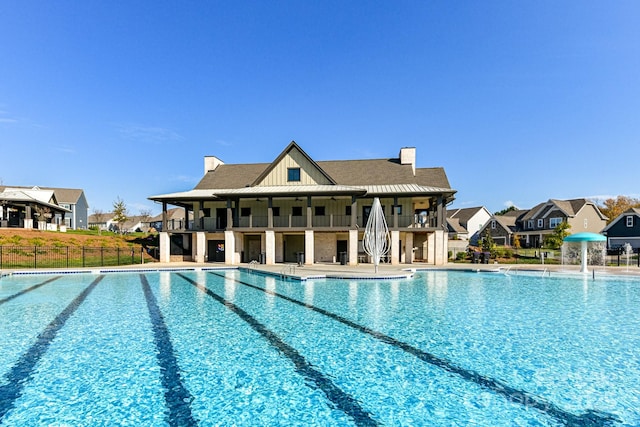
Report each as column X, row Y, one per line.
column 568, row 207
column 465, row 214
column 63, row 195
column 291, row 147
column 630, row 211
column 173, row 213
column 453, row 225
column 33, row 196
column 377, row 177
column 509, row 221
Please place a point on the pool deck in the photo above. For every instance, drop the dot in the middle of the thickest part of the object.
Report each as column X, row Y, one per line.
column 360, row 271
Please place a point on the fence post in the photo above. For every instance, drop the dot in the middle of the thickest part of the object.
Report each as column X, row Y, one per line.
column 101, row 256
column 132, row 255
column 83, row 256
column 67, row 256
column 141, row 255
column 35, row 257
column 118, row 252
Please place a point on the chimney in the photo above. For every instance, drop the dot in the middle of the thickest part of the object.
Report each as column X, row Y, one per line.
column 211, row 163
column 408, row 157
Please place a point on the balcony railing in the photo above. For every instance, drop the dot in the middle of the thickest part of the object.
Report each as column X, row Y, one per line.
column 317, row 221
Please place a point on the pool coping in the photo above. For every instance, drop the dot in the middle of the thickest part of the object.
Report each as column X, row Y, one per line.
column 360, row 272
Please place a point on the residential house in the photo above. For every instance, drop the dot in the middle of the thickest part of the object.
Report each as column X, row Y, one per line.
column 466, row 223
column 625, row 228
column 174, row 219
column 533, row 225
column 297, row 209
column 75, row 213
column 503, row 228
column 32, row 207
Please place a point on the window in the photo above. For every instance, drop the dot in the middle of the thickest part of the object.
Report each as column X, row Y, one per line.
column 347, row 210
column 586, row 223
column 493, row 224
column 630, row 221
column 296, row 211
column 245, row 211
column 398, row 209
column 554, row 222
column 319, row 210
column 293, row 174
column 276, row 210
column 530, row 223
column 540, row 223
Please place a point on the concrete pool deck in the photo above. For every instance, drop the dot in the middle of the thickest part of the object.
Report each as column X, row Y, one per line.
column 362, row 271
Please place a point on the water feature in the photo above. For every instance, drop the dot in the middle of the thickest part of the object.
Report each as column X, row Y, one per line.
column 628, row 250
column 592, row 249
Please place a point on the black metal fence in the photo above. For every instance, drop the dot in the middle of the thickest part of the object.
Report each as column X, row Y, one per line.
column 17, row 257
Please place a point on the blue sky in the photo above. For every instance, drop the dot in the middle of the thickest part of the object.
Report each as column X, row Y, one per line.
column 518, row 101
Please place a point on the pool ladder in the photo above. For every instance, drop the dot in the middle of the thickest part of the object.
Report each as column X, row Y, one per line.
column 288, row 269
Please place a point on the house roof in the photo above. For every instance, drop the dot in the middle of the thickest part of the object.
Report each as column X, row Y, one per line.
column 63, row 195
column 377, row 177
column 569, row 207
column 464, row 214
column 630, row 211
column 173, row 213
column 453, row 224
column 33, row 196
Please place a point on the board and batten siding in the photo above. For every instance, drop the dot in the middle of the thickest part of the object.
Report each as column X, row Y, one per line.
column 309, row 173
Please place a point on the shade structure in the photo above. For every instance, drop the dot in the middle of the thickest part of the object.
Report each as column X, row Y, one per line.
column 376, row 234
column 584, row 239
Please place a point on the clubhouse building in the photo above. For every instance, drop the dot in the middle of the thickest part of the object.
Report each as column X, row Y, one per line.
column 298, row 210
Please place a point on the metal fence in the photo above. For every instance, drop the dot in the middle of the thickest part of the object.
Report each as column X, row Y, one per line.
column 15, row 257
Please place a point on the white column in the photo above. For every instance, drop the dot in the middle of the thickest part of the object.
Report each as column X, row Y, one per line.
column 408, row 248
column 353, row 247
column 270, row 246
column 395, row 247
column 165, row 247
column 199, row 248
column 441, row 248
column 229, row 247
column 309, row 245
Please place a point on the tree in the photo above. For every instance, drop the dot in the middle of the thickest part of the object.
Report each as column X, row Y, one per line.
column 145, row 216
column 555, row 240
column 487, row 244
column 100, row 217
column 516, row 241
column 504, row 211
column 612, row 208
column 120, row 213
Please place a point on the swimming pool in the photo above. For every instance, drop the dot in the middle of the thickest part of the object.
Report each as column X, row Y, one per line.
column 235, row 347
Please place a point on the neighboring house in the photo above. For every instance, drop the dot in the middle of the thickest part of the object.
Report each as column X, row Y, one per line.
column 533, row 225
column 625, row 228
column 32, row 207
column 503, row 228
column 175, row 220
column 296, row 209
column 75, row 215
column 102, row 220
column 466, row 223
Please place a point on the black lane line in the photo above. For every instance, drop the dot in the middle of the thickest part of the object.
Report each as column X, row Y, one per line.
column 24, row 291
column 176, row 396
column 22, row 371
column 338, row 397
column 590, row 418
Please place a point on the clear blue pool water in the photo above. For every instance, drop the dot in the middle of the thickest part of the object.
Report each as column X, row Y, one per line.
column 232, row 347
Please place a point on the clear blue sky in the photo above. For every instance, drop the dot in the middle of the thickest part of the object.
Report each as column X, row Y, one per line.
column 518, row 101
